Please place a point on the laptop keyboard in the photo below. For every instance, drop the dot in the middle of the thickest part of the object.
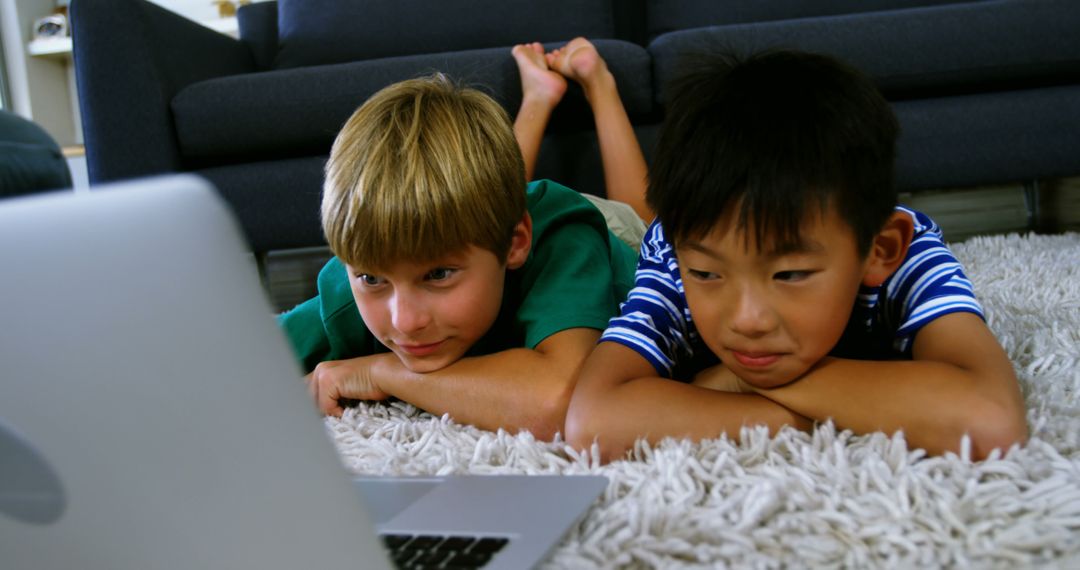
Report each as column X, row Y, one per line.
column 416, row 552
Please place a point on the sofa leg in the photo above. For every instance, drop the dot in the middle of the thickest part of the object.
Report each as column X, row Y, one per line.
column 1032, row 197
column 261, row 264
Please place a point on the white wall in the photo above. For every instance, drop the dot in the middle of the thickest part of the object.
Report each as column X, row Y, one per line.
column 192, row 9
column 199, row 10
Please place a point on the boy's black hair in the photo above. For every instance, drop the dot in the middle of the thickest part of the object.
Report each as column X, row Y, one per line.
column 779, row 135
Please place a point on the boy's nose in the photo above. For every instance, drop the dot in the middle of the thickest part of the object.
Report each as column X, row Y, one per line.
column 408, row 314
column 750, row 314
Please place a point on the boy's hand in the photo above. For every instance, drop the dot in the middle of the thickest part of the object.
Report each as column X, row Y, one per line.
column 338, row 380
column 721, row 379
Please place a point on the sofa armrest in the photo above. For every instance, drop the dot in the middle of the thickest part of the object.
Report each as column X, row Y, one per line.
column 131, row 57
column 259, row 30
column 30, row 160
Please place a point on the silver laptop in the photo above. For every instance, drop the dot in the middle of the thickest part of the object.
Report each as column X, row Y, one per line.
column 152, row 414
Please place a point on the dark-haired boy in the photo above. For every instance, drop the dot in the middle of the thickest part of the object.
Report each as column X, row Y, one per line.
column 782, row 285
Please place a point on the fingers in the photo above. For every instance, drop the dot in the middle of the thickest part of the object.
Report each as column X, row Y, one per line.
column 323, row 390
column 326, row 396
column 330, row 406
column 334, row 381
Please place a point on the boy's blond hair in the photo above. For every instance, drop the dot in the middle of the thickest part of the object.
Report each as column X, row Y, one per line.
column 423, row 169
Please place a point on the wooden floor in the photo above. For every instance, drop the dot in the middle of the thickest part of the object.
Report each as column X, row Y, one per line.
column 1051, row 207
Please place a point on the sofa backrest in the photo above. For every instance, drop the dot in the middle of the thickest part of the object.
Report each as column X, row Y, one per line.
column 313, row 32
column 663, row 16
column 940, row 51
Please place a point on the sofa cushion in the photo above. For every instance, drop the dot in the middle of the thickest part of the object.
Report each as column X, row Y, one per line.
column 292, row 112
column 329, row 31
column 924, row 52
column 276, row 201
column 988, row 138
column 665, row 16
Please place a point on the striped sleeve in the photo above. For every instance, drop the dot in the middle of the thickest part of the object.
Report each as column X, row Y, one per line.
column 653, row 321
column 929, row 284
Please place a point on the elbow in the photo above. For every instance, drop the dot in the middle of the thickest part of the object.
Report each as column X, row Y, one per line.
column 583, row 434
column 582, row 427
column 994, row 426
column 549, row 417
column 544, row 427
column 1002, row 437
column 579, row 433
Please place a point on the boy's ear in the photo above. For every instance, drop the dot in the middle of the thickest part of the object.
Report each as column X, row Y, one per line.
column 520, row 243
column 889, row 249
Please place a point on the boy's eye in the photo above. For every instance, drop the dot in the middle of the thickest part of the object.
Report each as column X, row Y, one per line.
column 792, row 276
column 702, row 275
column 440, row 274
column 369, row 279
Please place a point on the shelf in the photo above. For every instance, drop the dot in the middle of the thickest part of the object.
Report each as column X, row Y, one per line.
column 49, row 47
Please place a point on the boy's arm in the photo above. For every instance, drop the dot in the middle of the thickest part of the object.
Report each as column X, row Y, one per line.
column 619, row 398
column 516, row 389
column 960, row 381
column 564, row 296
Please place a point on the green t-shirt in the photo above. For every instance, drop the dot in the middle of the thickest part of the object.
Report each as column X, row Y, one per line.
column 576, row 275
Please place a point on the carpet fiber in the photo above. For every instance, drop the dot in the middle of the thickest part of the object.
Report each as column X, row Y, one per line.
column 826, row 499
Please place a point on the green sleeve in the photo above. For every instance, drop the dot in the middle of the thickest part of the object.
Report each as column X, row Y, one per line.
column 328, row 326
column 304, row 328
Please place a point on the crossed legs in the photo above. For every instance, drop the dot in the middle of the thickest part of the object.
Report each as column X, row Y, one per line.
column 544, row 82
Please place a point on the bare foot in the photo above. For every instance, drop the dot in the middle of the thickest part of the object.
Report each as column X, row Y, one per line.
column 580, row 61
column 539, row 84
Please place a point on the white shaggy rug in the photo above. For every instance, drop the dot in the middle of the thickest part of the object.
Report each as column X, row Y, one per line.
column 827, row 499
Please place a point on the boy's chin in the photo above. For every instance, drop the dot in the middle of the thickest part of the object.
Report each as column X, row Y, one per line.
column 770, row 381
column 426, row 365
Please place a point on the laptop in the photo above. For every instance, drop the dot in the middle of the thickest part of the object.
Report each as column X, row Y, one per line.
column 152, row 414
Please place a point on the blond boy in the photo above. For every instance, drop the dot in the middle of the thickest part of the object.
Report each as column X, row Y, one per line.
column 454, row 286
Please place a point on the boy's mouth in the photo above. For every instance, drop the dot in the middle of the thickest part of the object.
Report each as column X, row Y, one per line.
column 756, row 359
column 420, row 349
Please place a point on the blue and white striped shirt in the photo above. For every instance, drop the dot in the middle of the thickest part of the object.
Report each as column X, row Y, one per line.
column 655, row 320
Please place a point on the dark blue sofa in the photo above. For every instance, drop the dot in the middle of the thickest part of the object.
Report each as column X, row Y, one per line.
column 30, row 160
column 986, row 91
